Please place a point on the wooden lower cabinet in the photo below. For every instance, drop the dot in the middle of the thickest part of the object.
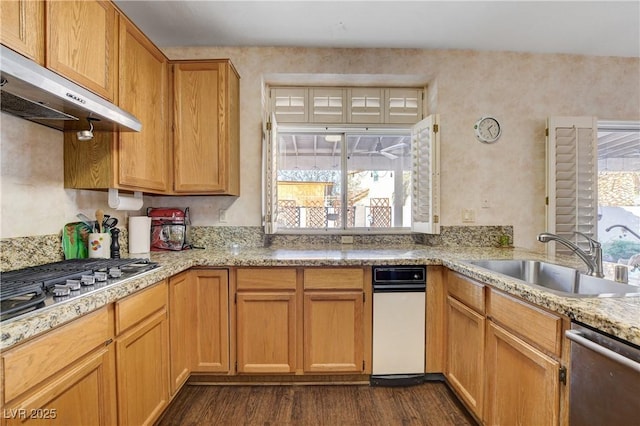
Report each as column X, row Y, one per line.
column 266, row 332
column 83, row 395
column 303, row 320
column 199, row 323
column 210, row 329
column 334, row 332
column 504, row 355
column 180, row 329
column 66, row 376
column 267, row 315
column 522, row 386
column 142, row 356
column 465, row 353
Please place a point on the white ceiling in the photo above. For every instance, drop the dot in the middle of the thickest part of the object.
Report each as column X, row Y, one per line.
column 600, row 28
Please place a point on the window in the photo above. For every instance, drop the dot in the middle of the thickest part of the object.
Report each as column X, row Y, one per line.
column 350, row 158
column 594, row 184
column 343, row 180
column 619, row 192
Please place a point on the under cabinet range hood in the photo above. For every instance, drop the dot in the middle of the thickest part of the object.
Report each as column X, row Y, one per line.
column 37, row 94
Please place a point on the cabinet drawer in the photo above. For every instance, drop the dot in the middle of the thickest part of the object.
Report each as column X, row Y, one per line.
column 39, row 359
column 467, row 291
column 266, row 279
column 137, row 307
column 537, row 326
column 334, row 278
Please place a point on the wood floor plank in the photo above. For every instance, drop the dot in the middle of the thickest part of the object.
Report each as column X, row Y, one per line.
column 430, row 404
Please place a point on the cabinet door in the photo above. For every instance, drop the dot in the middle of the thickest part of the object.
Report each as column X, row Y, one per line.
column 181, row 329
column 334, row 332
column 266, row 332
column 82, row 43
column 22, row 27
column 522, row 385
column 210, row 342
column 465, row 350
column 205, row 125
column 84, row 394
column 143, row 158
column 142, row 360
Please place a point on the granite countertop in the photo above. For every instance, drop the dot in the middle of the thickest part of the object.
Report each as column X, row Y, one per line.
column 617, row 316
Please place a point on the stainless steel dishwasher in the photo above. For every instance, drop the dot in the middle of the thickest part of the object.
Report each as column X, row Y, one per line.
column 398, row 325
column 604, row 380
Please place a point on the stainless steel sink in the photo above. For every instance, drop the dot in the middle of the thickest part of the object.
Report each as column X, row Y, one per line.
column 558, row 279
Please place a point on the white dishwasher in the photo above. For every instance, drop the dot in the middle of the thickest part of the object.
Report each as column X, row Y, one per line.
column 398, row 325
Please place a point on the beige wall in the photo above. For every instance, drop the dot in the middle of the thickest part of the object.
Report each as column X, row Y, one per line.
column 519, row 89
column 34, row 201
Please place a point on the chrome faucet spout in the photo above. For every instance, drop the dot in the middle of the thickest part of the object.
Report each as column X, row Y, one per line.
column 592, row 258
column 625, row 228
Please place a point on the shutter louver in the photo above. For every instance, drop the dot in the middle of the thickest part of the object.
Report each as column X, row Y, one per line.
column 572, row 180
column 425, row 177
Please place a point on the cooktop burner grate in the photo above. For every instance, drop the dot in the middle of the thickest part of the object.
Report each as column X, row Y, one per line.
column 31, row 288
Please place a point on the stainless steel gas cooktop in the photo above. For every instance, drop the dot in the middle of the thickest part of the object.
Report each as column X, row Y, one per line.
column 25, row 290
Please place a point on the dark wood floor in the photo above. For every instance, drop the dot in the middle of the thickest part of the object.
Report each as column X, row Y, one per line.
column 430, row 403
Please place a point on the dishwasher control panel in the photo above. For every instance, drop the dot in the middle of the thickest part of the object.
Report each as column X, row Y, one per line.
column 399, row 278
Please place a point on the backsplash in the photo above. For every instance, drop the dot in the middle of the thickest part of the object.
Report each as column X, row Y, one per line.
column 22, row 252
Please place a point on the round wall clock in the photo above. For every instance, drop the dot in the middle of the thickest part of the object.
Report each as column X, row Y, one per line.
column 487, row 129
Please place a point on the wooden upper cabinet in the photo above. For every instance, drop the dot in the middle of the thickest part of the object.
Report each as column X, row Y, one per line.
column 142, row 162
column 81, row 43
column 22, row 27
column 206, row 128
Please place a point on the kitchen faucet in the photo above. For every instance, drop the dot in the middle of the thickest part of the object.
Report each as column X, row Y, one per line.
column 625, row 229
column 592, row 258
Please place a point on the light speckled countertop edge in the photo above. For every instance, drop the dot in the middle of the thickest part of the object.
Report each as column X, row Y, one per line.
column 617, row 316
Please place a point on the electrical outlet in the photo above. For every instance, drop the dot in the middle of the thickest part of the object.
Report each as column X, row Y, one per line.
column 468, row 215
column 222, row 215
column 347, row 239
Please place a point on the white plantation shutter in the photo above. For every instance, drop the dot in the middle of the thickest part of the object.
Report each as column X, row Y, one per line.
column 366, row 105
column 572, row 179
column 270, row 176
column 403, row 106
column 327, row 105
column 425, row 176
column 290, row 104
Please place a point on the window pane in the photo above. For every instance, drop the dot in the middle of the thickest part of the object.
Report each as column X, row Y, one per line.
column 378, row 181
column 619, row 200
column 309, row 181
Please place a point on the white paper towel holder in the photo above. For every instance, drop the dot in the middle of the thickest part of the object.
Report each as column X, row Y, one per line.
column 118, row 202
